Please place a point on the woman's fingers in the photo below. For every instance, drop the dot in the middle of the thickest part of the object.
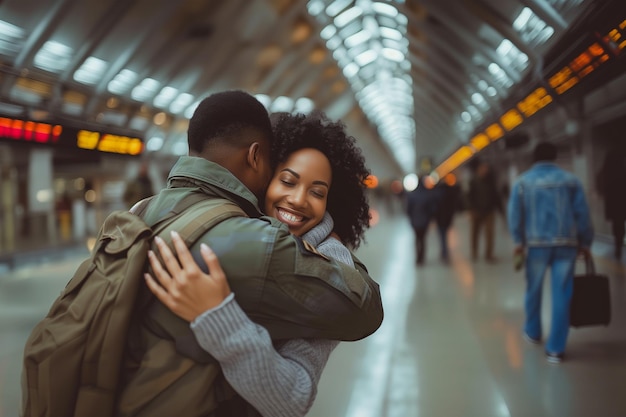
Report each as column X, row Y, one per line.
column 157, row 290
column 215, row 269
column 184, row 256
column 170, row 261
column 164, row 278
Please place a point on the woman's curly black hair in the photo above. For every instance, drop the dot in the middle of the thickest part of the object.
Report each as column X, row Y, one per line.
column 347, row 202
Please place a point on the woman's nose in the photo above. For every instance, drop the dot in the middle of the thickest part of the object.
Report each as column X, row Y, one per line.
column 297, row 198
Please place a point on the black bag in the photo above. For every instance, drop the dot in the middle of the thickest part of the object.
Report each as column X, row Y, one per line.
column 591, row 298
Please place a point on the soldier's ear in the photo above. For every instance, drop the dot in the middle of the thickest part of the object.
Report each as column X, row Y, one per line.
column 253, row 155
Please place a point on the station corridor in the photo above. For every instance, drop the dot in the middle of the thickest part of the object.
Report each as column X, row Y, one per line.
column 450, row 345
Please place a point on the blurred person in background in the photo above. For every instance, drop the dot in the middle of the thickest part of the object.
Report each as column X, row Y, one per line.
column 421, row 206
column 483, row 203
column 448, row 203
column 611, row 180
column 548, row 217
column 138, row 188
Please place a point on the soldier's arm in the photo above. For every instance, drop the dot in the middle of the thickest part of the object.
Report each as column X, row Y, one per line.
column 306, row 294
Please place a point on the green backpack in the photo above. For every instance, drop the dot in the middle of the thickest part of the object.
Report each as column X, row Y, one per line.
column 73, row 357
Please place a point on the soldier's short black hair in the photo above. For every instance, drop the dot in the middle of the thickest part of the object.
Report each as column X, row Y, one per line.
column 347, row 200
column 226, row 115
column 544, row 151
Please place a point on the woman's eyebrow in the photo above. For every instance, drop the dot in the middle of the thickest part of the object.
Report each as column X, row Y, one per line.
column 295, row 174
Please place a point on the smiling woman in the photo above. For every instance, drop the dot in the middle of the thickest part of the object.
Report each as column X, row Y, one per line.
column 298, row 192
column 318, row 146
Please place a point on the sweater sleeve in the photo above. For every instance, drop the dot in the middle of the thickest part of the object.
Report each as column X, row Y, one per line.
column 277, row 383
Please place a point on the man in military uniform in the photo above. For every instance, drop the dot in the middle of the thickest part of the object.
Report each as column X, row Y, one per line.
column 282, row 283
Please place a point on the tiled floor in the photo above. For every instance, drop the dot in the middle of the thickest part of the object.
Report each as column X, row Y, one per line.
column 450, row 344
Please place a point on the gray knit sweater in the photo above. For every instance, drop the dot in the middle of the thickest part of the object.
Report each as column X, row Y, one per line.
column 277, row 381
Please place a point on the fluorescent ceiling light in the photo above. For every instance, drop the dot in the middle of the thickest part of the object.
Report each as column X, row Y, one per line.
column 154, row 144
column 336, row 7
column 91, row 71
column 165, row 97
column 122, row 82
column 282, row 104
column 53, row 56
column 384, row 8
column 145, row 90
column 348, row 16
column 181, row 103
column 304, row 105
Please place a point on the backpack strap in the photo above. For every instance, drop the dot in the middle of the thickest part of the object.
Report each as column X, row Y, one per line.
column 197, row 226
column 140, row 207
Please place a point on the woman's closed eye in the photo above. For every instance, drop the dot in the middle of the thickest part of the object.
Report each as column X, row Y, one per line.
column 318, row 193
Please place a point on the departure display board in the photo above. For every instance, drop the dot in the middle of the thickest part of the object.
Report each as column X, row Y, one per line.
column 17, row 130
column 592, row 52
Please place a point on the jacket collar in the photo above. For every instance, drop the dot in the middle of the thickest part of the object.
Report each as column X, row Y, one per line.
column 214, row 179
column 545, row 164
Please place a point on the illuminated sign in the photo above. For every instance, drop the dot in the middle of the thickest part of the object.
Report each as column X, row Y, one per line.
column 494, row 132
column 27, row 131
column 534, row 102
column 455, row 160
column 582, row 65
column 599, row 50
column 511, row 119
column 480, row 141
column 105, row 142
column 615, row 38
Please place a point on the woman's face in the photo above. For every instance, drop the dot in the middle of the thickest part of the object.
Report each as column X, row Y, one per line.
column 298, row 192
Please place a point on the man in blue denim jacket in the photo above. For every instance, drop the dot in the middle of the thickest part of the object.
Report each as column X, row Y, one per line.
column 549, row 217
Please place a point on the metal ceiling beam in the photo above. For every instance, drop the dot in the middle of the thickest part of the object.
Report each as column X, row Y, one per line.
column 36, row 39
column 547, row 13
column 458, row 25
column 492, row 18
column 262, row 40
column 152, row 23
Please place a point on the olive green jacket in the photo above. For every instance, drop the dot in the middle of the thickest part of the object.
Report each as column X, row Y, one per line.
column 280, row 281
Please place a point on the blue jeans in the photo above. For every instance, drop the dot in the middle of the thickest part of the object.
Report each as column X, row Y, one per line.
column 561, row 260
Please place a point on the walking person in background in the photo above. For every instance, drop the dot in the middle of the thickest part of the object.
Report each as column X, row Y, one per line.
column 548, row 217
column 610, row 183
column 421, row 207
column 484, row 201
column 448, row 203
column 138, row 188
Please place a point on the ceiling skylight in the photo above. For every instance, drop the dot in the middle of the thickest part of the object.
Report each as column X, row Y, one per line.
column 368, row 41
column 91, row 71
column 165, row 96
column 53, row 56
column 145, row 90
column 181, row 103
column 11, row 39
column 122, row 82
column 531, row 28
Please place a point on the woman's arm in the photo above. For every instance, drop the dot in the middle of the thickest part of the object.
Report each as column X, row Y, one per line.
column 282, row 383
column 277, row 383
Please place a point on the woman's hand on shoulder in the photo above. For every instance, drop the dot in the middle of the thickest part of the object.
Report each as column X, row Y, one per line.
column 184, row 288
